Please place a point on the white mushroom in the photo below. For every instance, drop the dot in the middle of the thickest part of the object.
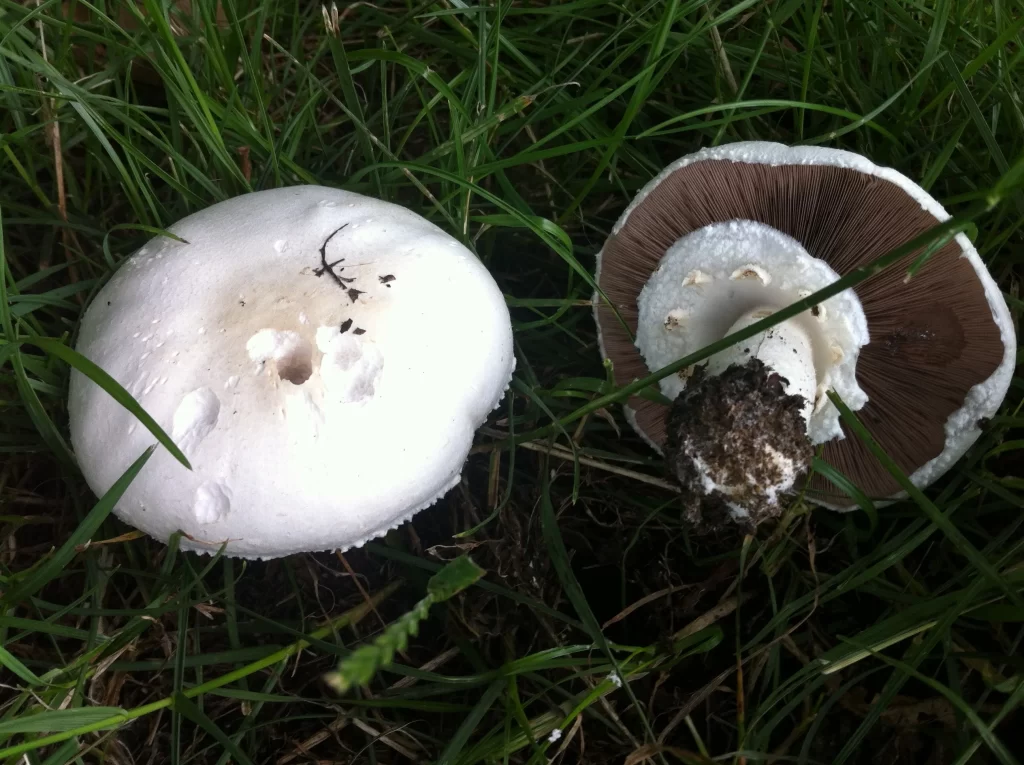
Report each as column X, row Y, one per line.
column 323, row 359
column 769, row 225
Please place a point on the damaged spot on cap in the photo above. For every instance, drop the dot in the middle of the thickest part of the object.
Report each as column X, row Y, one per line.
column 291, row 354
column 212, row 502
column 696, row 278
column 751, row 271
column 351, row 366
column 675, row 319
column 194, row 419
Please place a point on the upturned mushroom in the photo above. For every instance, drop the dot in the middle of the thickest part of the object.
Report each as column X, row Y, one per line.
column 727, row 236
column 321, row 357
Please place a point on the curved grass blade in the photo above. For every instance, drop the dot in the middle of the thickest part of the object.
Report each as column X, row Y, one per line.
column 987, row 735
column 57, row 720
column 14, row 665
column 469, row 725
column 574, row 592
column 936, row 516
column 113, row 388
column 89, row 525
column 844, row 484
column 188, row 709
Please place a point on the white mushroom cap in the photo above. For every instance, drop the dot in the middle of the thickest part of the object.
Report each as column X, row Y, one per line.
column 321, row 357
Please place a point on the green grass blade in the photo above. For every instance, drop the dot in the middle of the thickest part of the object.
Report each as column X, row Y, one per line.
column 112, row 388
column 54, row 564
column 57, row 720
column 955, row 536
column 188, row 709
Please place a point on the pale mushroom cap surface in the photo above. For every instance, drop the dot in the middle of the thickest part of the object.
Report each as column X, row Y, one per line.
column 941, row 351
column 318, row 407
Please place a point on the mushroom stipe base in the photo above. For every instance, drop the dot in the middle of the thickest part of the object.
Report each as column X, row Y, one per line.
column 736, row 442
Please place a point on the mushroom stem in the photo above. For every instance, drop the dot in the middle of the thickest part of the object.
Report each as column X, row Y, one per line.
column 785, row 349
column 737, row 434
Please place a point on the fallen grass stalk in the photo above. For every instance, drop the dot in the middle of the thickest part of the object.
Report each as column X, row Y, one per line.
column 564, row 454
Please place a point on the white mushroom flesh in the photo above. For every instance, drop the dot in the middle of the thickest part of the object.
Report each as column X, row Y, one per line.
column 712, row 484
